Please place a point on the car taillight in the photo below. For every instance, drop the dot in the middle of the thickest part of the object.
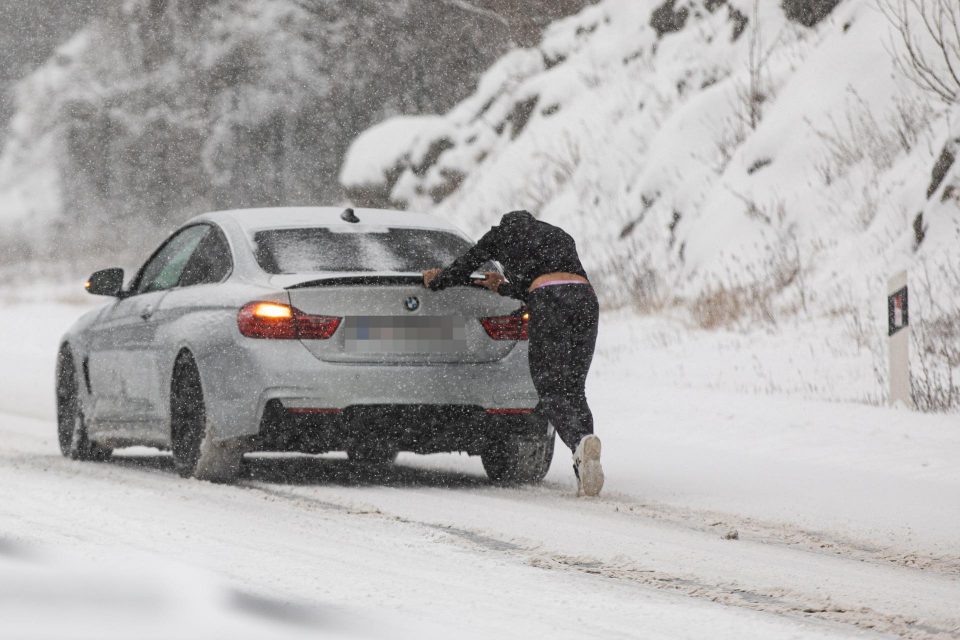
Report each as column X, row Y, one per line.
column 311, row 327
column 275, row 321
column 512, row 327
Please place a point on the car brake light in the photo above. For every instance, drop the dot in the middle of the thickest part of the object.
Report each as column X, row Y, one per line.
column 512, row 327
column 275, row 321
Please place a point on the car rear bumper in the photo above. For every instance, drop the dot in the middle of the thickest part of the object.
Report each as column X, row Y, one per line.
column 422, row 429
column 242, row 381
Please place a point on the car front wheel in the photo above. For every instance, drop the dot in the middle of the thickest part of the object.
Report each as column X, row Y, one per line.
column 71, row 427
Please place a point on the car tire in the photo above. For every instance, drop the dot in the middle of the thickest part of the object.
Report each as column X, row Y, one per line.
column 195, row 454
column 71, row 426
column 519, row 458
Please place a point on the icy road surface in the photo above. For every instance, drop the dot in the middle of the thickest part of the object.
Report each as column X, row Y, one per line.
column 847, row 518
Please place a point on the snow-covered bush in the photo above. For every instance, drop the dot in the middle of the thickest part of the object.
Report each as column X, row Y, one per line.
column 936, row 275
column 928, row 32
column 669, row 17
column 808, row 12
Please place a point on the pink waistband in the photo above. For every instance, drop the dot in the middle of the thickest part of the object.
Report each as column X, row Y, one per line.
column 554, row 283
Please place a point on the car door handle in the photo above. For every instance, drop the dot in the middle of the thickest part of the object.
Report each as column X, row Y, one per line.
column 146, row 314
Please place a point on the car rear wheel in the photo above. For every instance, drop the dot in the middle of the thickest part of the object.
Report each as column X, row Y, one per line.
column 195, row 454
column 520, row 458
column 71, row 428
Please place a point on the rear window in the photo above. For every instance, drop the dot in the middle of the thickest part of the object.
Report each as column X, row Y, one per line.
column 320, row 249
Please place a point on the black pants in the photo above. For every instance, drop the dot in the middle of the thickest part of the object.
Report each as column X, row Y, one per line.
column 563, row 334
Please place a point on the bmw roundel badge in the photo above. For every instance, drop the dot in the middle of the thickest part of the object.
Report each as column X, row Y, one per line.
column 412, row 303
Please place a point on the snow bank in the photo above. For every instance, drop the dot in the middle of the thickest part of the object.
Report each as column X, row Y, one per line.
column 62, row 595
column 379, row 153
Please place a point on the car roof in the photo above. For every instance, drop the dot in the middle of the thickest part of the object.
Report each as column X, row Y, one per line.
column 250, row 220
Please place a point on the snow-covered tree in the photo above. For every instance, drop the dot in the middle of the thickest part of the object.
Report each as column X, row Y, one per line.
column 162, row 108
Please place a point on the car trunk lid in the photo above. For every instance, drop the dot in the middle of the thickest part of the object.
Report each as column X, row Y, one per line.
column 393, row 319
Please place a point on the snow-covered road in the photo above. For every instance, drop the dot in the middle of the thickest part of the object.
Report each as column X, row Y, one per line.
column 848, row 522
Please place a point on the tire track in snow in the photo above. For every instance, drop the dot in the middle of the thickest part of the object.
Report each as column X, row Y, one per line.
column 820, row 542
column 708, row 522
column 774, row 601
column 781, row 602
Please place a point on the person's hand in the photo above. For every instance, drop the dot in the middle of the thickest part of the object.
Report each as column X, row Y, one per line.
column 491, row 280
column 429, row 275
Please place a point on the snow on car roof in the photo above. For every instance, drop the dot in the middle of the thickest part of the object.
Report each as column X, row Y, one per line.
column 277, row 217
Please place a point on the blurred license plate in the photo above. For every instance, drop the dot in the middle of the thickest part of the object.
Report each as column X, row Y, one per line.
column 391, row 334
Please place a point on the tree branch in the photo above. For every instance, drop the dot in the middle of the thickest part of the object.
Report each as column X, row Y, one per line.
column 941, row 24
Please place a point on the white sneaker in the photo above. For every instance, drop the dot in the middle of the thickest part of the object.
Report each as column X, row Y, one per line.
column 587, row 467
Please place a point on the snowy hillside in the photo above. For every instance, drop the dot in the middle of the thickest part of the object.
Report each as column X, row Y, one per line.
column 709, row 154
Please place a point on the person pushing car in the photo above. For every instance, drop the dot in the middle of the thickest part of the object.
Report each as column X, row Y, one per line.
column 543, row 270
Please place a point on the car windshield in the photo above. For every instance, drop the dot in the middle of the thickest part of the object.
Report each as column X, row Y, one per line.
column 322, row 249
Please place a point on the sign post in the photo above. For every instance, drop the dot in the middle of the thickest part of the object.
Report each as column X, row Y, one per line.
column 898, row 331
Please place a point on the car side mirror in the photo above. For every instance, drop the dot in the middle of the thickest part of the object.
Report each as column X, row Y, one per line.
column 107, row 282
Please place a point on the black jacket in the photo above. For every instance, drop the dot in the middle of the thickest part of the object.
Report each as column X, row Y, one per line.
column 527, row 249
